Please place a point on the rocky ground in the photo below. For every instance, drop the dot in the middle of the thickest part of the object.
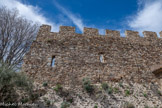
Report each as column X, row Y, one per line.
column 116, row 95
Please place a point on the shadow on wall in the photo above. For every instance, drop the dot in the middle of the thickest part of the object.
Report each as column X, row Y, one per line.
column 157, row 71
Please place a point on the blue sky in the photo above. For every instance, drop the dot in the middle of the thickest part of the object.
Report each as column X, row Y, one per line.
column 138, row 15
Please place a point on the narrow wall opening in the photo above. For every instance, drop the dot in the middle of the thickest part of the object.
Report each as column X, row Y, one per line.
column 102, row 60
column 53, row 61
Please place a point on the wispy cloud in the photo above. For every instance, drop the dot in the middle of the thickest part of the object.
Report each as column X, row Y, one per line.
column 148, row 16
column 29, row 12
column 76, row 20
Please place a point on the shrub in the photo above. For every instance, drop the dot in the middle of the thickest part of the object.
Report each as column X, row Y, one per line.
column 10, row 81
column 116, row 90
column 34, row 96
column 23, row 81
column 128, row 105
column 87, row 85
column 48, row 102
column 95, row 106
column 146, row 106
column 65, row 105
column 44, row 98
column 88, row 88
column 58, row 88
column 145, row 95
column 120, row 84
column 70, row 99
column 159, row 92
column 104, row 86
column 45, row 84
column 24, row 100
column 110, row 90
column 127, row 92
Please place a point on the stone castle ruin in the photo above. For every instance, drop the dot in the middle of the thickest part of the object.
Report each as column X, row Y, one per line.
column 67, row 57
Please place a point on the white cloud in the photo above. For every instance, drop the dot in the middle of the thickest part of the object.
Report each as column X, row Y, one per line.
column 76, row 20
column 148, row 17
column 29, row 12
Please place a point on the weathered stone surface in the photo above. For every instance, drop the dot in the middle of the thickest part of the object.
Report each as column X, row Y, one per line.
column 150, row 34
column 78, row 56
column 90, row 31
column 112, row 33
column 131, row 34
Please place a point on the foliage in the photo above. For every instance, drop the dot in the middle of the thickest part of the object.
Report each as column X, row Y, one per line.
column 145, row 95
column 70, row 99
column 159, row 92
column 110, row 90
column 116, row 90
column 33, row 96
column 128, row 105
column 120, row 84
column 58, row 88
column 24, row 100
column 44, row 98
column 146, row 106
column 87, row 85
column 107, row 88
column 10, row 81
column 65, row 104
column 95, row 106
column 45, row 84
column 127, row 92
column 104, row 86
column 48, row 102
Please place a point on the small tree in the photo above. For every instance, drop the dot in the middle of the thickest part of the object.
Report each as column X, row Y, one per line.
column 16, row 36
column 87, row 85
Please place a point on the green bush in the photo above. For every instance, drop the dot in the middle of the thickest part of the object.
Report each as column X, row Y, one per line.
column 110, row 90
column 159, row 92
column 45, row 84
column 120, row 84
column 127, row 92
column 34, row 96
column 48, row 102
column 146, row 106
column 44, row 98
column 86, row 81
column 95, row 106
column 24, row 100
column 58, row 88
column 65, row 105
column 145, row 95
column 10, row 81
column 128, row 105
column 105, row 86
column 87, row 85
column 116, row 90
column 70, row 100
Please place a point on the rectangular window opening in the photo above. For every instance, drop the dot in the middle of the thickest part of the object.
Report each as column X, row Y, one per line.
column 101, row 57
column 53, row 61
